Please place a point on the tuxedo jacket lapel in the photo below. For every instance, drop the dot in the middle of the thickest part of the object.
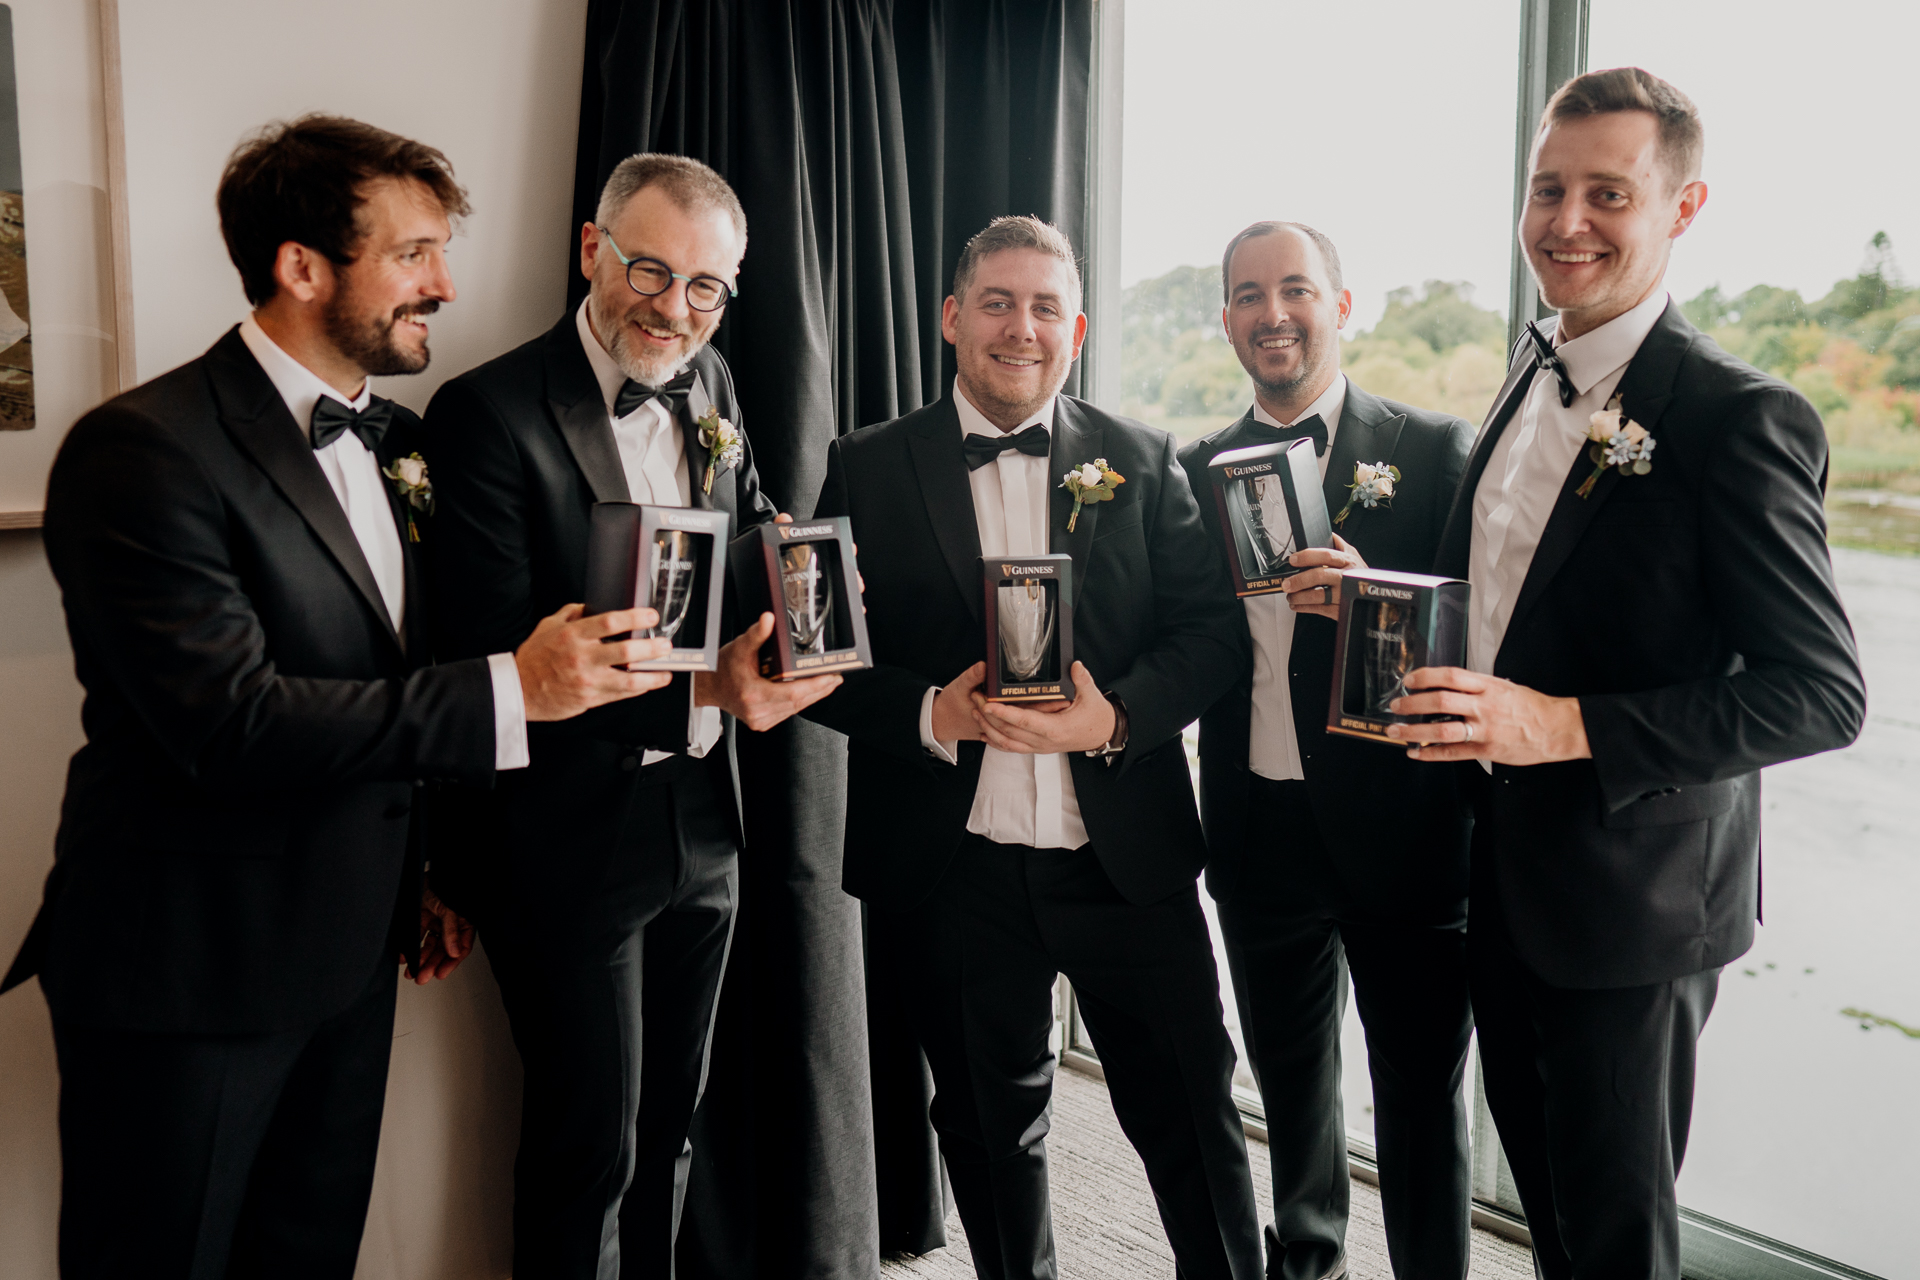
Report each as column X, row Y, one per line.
column 573, row 395
column 1367, row 433
column 255, row 415
column 941, row 468
column 1645, row 390
column 1076, row 441
column 691, row 410
column 1456, row 542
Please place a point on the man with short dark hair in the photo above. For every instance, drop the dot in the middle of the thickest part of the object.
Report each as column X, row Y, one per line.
column 1329, row 855
column 997, row 846
column 604, row 877
column 1649, row 629
column 235, row 876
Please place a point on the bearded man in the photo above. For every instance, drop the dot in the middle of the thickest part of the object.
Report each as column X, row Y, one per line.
column 1649, row 629
column 1309, row 890
column 235, row 876
column 604, row 878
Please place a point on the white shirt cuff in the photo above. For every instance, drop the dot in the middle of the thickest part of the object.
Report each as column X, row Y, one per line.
column 947, row 751
column 509, row 714
column 703, row 726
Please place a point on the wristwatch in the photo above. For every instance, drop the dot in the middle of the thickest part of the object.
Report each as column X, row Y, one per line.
column 1118, row 742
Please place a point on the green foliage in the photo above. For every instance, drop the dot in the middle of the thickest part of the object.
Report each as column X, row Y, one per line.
column 1442, row 315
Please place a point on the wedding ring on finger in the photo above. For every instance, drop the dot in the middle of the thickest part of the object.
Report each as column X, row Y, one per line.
column 1468, row 725
column 1326, row 593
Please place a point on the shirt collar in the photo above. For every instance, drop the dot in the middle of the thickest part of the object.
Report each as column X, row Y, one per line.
column 298, row 385
column 1597, row 353
column 974, row 423
column 1331, row 404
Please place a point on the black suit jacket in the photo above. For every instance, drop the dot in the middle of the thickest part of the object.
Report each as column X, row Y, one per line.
column 1152, row 621
column 520, row 449
column 234, row 837
column 1396, row 831
column 1693, row 612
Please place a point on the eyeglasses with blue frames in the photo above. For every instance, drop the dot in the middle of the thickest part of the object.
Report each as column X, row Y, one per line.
column 650, row 277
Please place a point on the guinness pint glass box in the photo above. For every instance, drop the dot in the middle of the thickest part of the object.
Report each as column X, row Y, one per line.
column 804, row 575
column 1390, row 625
column 667, row 559
column 1271, row 506
column 1029, row 627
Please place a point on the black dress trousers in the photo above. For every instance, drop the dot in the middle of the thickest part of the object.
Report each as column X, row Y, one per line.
column 1003, row 923
column 190, row 1157
column 1292, row 937
column 1592, row 1094
column 612, row 1008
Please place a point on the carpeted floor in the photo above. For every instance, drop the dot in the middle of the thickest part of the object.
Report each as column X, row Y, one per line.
column 1104, row 1222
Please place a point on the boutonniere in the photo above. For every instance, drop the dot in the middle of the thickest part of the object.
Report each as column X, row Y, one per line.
column 1617, row 442
column 409, row 476
column 1372, row 487
column 1090, row 482
column 721, row 440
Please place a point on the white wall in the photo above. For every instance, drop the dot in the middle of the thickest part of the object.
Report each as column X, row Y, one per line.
column 496, row 85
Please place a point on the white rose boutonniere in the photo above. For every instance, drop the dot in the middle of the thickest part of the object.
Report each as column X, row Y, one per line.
column 409, row 476
column 1090, row 482
column 721, row 439
column 1617, row 442
column 1372, row 486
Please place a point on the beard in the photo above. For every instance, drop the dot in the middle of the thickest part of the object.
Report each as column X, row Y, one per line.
column 651, row 368
column 1313, row 358
column 369, row 342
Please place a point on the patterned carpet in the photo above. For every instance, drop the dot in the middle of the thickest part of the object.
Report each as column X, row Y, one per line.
column 1104, row 1222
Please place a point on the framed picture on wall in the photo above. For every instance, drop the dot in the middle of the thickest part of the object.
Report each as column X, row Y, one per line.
column 65, row 316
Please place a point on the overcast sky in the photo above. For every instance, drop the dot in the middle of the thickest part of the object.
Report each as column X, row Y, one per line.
column 1390, row 126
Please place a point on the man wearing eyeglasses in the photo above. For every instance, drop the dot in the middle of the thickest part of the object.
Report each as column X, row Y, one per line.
column 603, row 879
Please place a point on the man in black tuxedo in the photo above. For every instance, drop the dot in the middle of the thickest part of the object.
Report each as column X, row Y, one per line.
column 239, row 572
column 1648, row 630
column 1327, row 853
column 996, row 846
column 604, row 877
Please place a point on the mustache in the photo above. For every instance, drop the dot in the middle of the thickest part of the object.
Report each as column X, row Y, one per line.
column 644, row 314
column 1278, row 331
column 424, row 307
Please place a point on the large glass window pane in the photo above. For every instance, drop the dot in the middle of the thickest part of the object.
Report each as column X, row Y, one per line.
column 1806, row 1109
column 1390, row 128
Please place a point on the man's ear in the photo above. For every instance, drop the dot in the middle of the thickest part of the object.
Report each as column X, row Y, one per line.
column 1345, row 308
column 302, row 274
column 589, row 248
column 1693, row 197
column 1079, row 332
column 950, row 319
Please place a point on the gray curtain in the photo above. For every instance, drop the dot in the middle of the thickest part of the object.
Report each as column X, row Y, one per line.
column 867, row 142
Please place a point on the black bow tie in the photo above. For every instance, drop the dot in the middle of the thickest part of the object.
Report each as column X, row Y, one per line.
column 331, row 420
column 1307, row 428
column 1547, row 358
column 634, row 394
column 981, row 450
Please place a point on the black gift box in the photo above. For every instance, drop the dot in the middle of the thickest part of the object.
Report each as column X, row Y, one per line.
column 1391, row 624
column 809, row 570
column 666, row 559
column 1271, row 506
column 1029, row 627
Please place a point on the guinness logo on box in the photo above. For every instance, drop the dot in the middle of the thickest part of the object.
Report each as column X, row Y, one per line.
column 1237, row 472
column 1370, row 589
column 1027, row 571
column 806, row 531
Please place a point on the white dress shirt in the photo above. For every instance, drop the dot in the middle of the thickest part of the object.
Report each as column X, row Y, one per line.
column 654, row 457
column 354, row 474
column 1020, row 799
column 1529, row 466
column 1273, row 744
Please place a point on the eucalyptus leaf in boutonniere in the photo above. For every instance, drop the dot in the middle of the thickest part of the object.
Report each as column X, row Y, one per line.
column 1373, row 485
column 721, row 440
column 409, row 476
column 1090, row 482
column 1618, row 442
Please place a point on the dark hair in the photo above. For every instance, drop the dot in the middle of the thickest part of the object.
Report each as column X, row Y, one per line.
column 305, row 180
column 1021, row 232
column 688, row 183
column 1682, row 141
column 1328, row 254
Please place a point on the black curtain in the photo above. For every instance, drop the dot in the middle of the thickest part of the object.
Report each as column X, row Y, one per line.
column 867, row 142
